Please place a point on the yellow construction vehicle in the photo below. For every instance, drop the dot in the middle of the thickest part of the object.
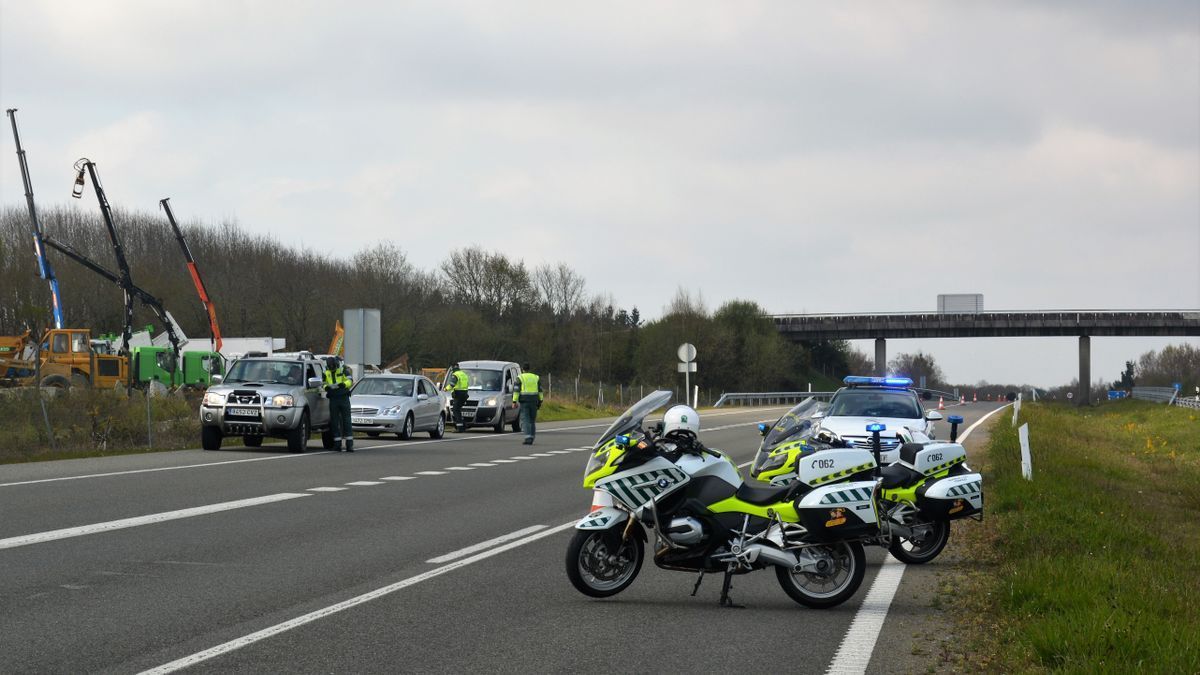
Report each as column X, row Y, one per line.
column 67, row 359
column 337, row 344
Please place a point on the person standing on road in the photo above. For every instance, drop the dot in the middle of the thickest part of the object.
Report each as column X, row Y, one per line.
column 458, row 395
column 337, row 390
column 529, row 395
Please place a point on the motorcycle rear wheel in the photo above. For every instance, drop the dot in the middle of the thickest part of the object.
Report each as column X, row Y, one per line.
column 910, row 553
column 596, row 572
column 832, row 588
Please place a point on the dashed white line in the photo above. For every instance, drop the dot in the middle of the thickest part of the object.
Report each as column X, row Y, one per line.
column 484, row 545
column 431, row 473
column 397, row 478
column 541, row 454
column 365, row 483
column 504, row 461
column 460, row 468
column 482, row 464
column 41, row 537
column 522, row 457
column 161, row 468
column 558, row 452
column 326, row 489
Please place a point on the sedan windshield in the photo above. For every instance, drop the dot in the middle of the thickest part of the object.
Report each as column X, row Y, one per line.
column 874, row 403
column 384, row 386
column 267, row 372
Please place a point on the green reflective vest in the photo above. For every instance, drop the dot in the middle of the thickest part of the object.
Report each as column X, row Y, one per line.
column 461, row 380
column 528, row 385
column 336, row 377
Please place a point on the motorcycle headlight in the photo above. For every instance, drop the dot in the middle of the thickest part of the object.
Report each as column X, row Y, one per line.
column 282, row 401
column 213, row 398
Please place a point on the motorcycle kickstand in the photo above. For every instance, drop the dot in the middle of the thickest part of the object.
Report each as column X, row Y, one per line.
column 726, row 601
column 697, row 586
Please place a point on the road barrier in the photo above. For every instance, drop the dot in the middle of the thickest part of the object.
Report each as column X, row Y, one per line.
column 786, row 397
column 1168, row 395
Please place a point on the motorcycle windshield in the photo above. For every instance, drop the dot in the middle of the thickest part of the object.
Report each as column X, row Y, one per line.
column 798, row 423
column 632, row 418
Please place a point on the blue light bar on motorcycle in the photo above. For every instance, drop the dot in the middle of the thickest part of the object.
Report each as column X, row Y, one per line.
column 762, row 428
column 876, row 427
column 954, row 419
column 623, row 440
column 851, row 380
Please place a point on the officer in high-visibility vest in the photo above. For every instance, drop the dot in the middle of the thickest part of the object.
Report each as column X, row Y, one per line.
column 529, row 394
column 337, row 390
column 457, row 384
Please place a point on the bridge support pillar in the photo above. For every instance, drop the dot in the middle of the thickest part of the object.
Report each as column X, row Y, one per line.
column 880, row 357
column 1084, row 395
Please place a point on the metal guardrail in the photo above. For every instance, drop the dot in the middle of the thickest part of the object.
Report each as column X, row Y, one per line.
column 1168, row 395
column 793, row 397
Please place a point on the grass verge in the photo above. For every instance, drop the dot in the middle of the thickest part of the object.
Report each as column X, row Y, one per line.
column 554, row 410
column 1094, row 565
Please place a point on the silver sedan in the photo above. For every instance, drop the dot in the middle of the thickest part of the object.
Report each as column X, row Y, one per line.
column 398, row 404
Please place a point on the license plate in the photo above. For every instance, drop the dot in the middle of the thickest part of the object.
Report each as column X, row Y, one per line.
column 243, row 412
column 359, row 420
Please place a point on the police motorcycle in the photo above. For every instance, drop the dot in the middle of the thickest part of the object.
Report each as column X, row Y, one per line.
column 919, row 495
column 705, row 519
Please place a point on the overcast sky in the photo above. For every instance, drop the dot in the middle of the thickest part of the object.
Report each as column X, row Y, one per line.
column 814, row 157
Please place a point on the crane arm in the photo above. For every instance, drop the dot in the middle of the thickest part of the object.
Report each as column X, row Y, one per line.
column 45, row 269
column 209, row 307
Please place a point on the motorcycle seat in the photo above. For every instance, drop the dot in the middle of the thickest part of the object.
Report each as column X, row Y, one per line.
column 898, row 475
column 761, row 496
column 908, row 451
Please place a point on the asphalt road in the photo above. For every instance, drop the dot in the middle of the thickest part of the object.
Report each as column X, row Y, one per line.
column 330, row 562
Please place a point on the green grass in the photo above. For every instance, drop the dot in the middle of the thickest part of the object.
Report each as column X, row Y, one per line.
column 1094, row 565
column 557, row 410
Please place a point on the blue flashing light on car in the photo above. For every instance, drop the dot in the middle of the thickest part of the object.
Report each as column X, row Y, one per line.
column 851, row 380
column 876, row 427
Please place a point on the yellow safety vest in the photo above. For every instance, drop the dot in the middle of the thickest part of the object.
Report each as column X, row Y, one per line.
column 461, row 380
column 529, row 386
column 335, row 377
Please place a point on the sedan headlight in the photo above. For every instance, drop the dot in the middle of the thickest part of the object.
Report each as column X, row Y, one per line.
column 394, row 410
column 282, row 401
column 214, row 399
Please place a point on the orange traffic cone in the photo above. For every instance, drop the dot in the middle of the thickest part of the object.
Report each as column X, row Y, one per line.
column 941, row 404
column 974, row 398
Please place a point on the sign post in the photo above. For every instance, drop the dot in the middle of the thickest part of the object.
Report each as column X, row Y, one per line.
column 361, row 341
column 687, row 366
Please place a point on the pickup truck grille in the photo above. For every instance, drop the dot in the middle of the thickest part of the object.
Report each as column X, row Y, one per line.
column 362, row 410
column 239, row 397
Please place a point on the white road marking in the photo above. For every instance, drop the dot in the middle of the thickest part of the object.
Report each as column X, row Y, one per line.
column 162, row 468
column 558, row 452
column 326, row 489
column 855, row 651
column 521, row 457
column 431, row 473
column 484, row 545
column 460, row 468
column 854, row 654
column 265, row 633
column 396, row 478
column 541, row 454
column 482, row 464
column 52, row 535
column 504, row 461
column 365, row 482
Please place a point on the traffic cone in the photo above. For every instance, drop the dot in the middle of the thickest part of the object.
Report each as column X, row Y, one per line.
column 962, row 400
column 974, row 398
column 941, row 404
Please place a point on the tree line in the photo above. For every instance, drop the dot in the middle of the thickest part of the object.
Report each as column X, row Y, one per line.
column 474, row 304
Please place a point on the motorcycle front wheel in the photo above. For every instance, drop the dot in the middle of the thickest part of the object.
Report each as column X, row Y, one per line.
column 838, row 582
column 599, row 564
column 913, row 552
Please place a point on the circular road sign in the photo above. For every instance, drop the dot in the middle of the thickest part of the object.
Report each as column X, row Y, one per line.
column 686, row 352
column 1070, row 394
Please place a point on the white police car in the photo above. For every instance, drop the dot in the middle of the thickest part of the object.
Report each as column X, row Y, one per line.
column 890, row 401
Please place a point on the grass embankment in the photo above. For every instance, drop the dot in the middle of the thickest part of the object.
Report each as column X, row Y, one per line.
column 556, row 410
column 92, row 423
column 1094, row 565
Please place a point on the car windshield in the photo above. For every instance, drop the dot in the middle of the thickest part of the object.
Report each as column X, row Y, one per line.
column 383, row 386
column 633, row 417
column 874, row 403
column 267, row 372
column 797, row 423
column 483, row 380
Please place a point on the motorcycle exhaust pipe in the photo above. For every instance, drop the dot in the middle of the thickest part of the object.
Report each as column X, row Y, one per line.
column 773, row 556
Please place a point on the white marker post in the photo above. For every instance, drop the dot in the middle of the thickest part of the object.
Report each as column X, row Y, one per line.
column 1026, row 460
column 1016, row 409
column 687, row 366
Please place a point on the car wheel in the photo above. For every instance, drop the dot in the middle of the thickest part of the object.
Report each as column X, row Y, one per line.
column 297, row 439
column 210, row 438
column 407, row 432
column 373, row 434
column 499, row 426
column 516, row 424
column 252, row 441
column 440, row 429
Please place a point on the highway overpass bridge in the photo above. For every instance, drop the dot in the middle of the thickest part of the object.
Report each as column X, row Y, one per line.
column 1080, row 323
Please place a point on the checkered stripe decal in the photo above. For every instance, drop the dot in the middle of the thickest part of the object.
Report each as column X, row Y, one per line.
column 965, row 489
column 845, row 496
column 595, row 522
column 640, row 488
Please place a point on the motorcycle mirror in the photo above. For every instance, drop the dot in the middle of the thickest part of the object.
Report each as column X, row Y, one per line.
column 658, row 427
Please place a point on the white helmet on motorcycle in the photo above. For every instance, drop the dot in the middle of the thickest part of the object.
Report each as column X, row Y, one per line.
column 681, row 419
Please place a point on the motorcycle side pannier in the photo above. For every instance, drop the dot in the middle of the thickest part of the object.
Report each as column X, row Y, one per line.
column 840, row 511
column 952, row 497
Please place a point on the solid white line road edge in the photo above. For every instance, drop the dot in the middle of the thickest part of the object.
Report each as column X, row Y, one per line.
column 111, row 525
column 854, row 654
column 265, row 633
column 485, row 544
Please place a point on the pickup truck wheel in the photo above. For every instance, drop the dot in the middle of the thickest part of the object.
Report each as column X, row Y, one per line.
column 407, row 432
column 210, row 438
column 252, row 441
column 440, row 429
column 297, row 438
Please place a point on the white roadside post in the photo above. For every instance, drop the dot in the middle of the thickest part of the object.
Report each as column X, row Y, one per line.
column 1026, row 459
column 1016, row 409
column 687, row 366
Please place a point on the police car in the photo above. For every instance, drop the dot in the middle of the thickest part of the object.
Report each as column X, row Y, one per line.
column 890, row 401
